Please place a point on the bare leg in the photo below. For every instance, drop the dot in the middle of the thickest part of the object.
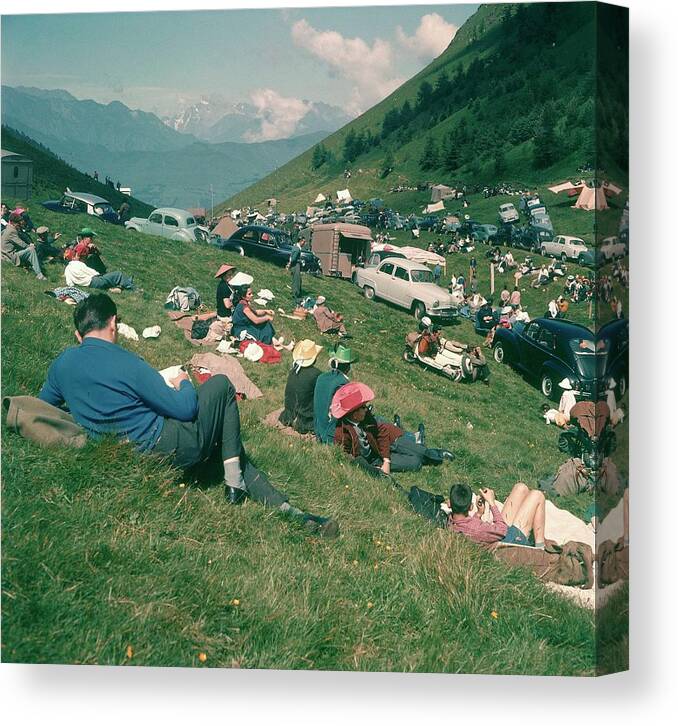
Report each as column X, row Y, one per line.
column 532, row 516
column 514, row 502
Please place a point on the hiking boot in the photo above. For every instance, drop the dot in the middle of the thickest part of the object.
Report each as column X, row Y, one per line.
column 321, row 526
column 235, row 495
column 396, row 421
column 421, row 434
column 447, row 454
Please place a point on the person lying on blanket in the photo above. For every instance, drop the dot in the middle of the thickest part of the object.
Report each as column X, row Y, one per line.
column 521, row 521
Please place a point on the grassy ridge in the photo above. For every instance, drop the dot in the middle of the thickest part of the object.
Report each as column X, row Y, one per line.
column 104, row 549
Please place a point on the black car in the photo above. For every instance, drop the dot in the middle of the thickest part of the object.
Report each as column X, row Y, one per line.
column 525, row 238
column 548, row 350
column 614, row 337
column 266, row 243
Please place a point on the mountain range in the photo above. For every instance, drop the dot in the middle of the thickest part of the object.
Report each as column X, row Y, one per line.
column 163, row 166
column 216, row 120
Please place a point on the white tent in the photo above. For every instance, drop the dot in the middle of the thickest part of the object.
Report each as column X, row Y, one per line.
column 591, row 195
column 320, row 198
column 437, row 207
column 343, row 195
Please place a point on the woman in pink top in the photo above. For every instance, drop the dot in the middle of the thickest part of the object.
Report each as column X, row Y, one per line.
column 523, row 514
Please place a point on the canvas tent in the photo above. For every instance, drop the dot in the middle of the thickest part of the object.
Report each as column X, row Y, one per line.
column 272, row 202
column 440, row 191
column 224, row 228
column 437, row 207
column 343, row 195
column 591, row 195
column 415, row 254
column 320, row 198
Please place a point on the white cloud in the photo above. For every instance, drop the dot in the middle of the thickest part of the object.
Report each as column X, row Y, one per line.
column 431, row 37
column 368, row 68
column 279, row 114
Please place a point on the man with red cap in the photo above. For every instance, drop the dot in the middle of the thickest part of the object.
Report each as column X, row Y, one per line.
column 376, row 445
column 15, row 250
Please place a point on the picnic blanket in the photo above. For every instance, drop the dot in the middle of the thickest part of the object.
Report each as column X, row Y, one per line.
column 185, row 321
column 229, row 367
column 271, row 355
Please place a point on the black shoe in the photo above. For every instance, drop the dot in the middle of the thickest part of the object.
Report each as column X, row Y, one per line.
column 235, row 495
column 447, row 454
column 422, row 434
column 321, row 526
column 396, row 421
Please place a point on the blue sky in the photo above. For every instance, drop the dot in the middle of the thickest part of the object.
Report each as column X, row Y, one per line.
column 350, row 56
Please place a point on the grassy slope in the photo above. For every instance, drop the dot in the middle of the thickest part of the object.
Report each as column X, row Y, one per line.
column 104, row 548
column 295, row 184
column 51, row 175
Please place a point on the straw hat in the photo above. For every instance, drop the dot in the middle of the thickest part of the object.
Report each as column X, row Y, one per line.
column 224, row 269
column 349, row 397
column 241, row 279
column 305, row 352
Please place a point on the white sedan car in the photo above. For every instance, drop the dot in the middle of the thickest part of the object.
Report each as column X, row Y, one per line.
column 564, row 247
column 612, row 248
column 175, row 224
column 409, row 285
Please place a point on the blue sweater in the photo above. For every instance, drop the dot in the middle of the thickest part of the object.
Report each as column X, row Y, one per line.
column 109, row 390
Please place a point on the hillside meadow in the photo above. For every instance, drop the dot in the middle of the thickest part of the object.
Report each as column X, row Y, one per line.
column 110, row 557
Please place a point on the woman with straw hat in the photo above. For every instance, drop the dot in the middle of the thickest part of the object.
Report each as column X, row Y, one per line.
column 298, row 411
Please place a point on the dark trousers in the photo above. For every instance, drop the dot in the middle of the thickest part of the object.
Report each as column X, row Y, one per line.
column 408, row 455
column 112, row 279
column 295, row 270
column 215, row 431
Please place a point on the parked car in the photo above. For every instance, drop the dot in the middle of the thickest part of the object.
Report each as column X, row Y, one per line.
column 429, row 222
column 394, row 221
column 82, row 203
column 611, row 248
column 532, row 206
column 508, row 213
column 615, row 337
column 564, row 247
column 543, row 221
column 175, row 224
column 548, row 350
column 409, row 285
column 376, row 257
column 273, row 245
column 477, row 231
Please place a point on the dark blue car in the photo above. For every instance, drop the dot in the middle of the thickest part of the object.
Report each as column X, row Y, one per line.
column 547, row 350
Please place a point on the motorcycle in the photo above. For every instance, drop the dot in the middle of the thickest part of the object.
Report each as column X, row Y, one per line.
column 451, row 359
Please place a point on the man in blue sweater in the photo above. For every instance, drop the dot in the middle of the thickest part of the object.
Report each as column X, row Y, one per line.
column 109, row 390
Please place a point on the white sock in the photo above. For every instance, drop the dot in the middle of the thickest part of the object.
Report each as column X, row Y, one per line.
column 233, row 474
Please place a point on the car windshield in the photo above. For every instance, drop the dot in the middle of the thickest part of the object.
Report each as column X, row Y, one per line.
column 282, row 239
column 590, row 356
column 421, row 275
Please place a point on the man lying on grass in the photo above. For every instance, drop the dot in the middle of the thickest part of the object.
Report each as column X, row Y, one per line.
column 109, row 390
column 521, row 521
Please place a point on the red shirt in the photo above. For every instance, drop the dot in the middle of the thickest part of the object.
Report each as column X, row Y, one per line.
column 481, row 532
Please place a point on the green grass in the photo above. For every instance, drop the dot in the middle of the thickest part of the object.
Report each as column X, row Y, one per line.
column 105, row 549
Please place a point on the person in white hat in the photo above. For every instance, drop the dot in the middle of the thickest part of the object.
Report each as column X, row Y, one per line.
column 300, row 388
column 616, row 412
column 561, row 416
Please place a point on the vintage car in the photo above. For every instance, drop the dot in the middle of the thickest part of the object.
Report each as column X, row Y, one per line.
column 478, row 232
column 508, row 213
column 612, row 248
column 615, row 338
column 175, row 224
column 548, row 350
column 266, row 243
column 82, row 203
column 542, row 221
column 409, row 285
column 564, row 246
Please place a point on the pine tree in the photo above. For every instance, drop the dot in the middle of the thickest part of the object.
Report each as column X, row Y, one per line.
column 429, row 158
column 319, row 156
column 545, row 140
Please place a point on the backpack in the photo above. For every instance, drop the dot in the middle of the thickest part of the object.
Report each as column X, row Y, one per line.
column 183, row 298
column 43, row 423
column 201, row 328
column 428, row 505
column 613, row 562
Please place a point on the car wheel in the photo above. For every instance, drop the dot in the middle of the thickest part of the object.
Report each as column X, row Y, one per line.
column 563, row 257
column 131, row 229
column 368, row 292
column 418, row 310
column 499, row 353
column 543, row 251
column 547, row 386
column 623, row 385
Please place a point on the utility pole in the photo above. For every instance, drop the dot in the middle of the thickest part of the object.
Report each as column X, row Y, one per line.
column 212, row 195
